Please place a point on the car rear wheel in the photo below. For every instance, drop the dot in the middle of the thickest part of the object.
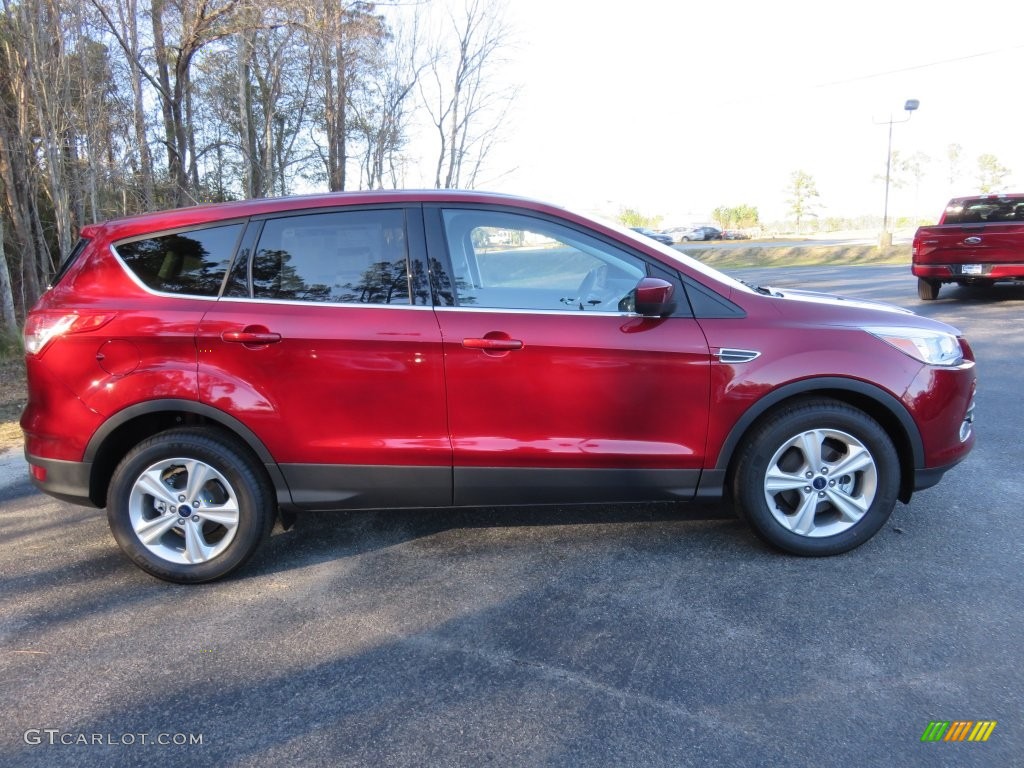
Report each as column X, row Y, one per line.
column 189, row 506
column 928, row 290
column 817, row 478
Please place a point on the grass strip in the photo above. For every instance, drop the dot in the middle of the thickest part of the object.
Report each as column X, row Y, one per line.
column 800, row 256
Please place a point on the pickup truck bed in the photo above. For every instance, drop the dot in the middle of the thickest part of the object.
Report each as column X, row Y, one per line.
column 978, row 241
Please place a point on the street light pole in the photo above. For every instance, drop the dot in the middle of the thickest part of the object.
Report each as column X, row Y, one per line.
column 885, row 239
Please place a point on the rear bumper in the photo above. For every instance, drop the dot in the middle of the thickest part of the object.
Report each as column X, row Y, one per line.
column 950, row 272
column 64, row 480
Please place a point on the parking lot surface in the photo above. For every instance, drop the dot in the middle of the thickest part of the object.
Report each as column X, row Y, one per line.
column 636, row 635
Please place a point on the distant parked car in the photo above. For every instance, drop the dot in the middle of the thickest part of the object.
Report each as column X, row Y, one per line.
column 678, row 234
column 703, row 233
column 734, row 234
column 661, row 237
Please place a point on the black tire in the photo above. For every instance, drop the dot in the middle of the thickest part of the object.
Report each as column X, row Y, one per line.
column 928, row 290
column 843, row 508
column 204, row 502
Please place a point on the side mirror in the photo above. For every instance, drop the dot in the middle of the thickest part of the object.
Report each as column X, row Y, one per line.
column 654, row 297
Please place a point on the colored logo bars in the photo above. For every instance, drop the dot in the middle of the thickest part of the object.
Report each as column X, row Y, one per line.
column 958, row 730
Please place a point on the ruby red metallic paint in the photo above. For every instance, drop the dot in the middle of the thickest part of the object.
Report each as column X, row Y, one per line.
column 351, row 404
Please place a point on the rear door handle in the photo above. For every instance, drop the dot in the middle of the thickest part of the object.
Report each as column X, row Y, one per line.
column 251, row 337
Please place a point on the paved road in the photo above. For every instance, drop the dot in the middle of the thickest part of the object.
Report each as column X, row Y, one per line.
column 636, row 636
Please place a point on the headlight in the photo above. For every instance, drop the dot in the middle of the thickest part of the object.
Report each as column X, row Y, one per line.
column 928, row 346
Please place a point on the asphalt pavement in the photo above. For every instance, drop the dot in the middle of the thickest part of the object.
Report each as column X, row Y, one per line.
column 598, row 636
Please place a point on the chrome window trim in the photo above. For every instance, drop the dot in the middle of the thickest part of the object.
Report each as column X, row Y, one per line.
column 300, row 303
column 248, row 300
column 555, row 312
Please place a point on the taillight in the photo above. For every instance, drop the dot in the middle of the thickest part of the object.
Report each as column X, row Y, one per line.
column 43, row 327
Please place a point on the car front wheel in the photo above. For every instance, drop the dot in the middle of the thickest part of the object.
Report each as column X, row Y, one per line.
column 817, row 478
column 189, row 506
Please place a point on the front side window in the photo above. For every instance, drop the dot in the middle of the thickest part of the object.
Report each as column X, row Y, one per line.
column 342, row 256
column 192, row 263
column 511, row 261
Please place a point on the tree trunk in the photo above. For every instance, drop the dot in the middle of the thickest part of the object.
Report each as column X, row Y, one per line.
column 169, row 107
column 251, row 182
column 7, row 312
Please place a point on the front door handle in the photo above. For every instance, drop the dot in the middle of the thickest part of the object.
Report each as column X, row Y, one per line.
column 492, row 345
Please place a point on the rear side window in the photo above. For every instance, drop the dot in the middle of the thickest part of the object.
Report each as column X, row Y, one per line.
column 192, row 263
column 985, row 210
column 346, row 257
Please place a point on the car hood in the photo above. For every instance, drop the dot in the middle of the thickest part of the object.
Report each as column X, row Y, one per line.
column 840, row 310
column 829, row 299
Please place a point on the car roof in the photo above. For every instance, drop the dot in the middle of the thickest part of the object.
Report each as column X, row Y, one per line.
column 216, row 212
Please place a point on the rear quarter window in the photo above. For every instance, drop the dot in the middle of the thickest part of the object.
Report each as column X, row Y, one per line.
column 69, row 260
column 192, row 263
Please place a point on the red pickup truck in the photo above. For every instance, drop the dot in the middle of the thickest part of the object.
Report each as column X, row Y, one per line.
column 978, row 241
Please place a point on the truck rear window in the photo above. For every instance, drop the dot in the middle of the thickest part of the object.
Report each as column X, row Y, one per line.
column 984, row 210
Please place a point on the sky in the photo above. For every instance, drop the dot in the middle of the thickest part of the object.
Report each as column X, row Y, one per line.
column 676, row 108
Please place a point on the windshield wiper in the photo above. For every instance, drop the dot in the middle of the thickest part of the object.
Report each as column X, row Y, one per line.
column 761, row 289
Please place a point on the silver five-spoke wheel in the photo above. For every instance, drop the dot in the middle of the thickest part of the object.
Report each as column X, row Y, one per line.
column 190, row 504
column 817, row 477
column 183, row 510
column 820, row 482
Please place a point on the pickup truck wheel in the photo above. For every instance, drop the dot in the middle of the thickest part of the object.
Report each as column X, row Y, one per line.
column 189, row 506
column 928, row 290
column 817, row 478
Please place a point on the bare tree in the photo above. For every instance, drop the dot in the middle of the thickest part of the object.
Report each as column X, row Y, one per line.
column 465, row 105
column 991, row 174
column 342, row 37
column 7, row 311
column 916, row 167
column 35, row 136
column 180, row 29
column 275, row 79
column 953, row 153
column 382, row 108
column 803, row 193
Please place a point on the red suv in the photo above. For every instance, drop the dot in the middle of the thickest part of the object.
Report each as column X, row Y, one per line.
column 203, row 372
